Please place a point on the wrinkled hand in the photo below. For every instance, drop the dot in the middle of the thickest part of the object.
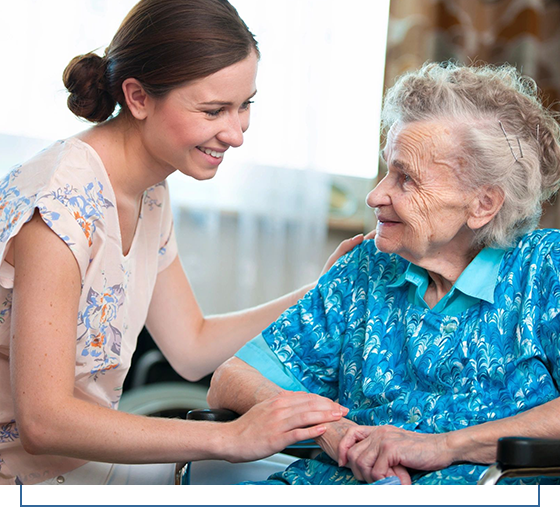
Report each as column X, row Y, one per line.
column 274, row 424
column 376, row 452
column 344, row 248
column 331, row 439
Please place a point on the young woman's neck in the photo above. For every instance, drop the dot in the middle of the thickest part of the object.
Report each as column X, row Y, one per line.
column 129, row 166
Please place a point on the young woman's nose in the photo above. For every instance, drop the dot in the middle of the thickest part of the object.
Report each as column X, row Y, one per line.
column 379, row 196
column 232, row 131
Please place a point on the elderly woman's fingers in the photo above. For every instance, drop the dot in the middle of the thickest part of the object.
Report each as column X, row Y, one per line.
column 341, row 250
column 351, row 438
column 361, row 458
column 403, row 475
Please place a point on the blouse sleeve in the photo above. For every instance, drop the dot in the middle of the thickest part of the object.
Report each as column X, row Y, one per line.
column 257, row 354
column 71, row 211
column 308, row 337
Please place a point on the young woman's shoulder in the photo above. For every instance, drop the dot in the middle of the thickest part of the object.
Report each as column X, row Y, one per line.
column 67, row 184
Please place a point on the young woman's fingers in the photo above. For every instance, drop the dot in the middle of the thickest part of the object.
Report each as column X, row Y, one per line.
column 370, row 235
column 297, row 419
column 301, row 434
column 312, row 402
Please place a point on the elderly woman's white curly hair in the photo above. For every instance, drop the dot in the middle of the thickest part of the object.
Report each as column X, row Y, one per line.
column 483, row 104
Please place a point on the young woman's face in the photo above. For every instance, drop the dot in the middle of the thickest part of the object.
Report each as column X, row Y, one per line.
column 192, row 127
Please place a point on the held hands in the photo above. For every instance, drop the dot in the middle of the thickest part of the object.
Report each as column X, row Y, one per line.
column 278, row 422
column 344, row 248
column 331, row 439
column 376, row 452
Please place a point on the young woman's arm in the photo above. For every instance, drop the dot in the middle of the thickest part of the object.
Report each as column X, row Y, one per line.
column 196, row 345
column 52, row 421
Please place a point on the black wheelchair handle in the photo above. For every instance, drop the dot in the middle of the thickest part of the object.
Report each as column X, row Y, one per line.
column 212, row 414
column 521, row 452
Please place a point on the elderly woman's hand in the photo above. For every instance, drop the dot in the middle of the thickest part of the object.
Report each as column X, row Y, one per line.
column 330, row 440
column 344, row 247
column 376, row 452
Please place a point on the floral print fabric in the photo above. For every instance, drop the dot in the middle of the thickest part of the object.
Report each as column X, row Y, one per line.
column 356, row 340
column 69, row 186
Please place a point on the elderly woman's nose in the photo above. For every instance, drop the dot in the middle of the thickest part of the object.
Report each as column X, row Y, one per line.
column 378, row 196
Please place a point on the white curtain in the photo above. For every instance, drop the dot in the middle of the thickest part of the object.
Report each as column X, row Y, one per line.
column 269, row 241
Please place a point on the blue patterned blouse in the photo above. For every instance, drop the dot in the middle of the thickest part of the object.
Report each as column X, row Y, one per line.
column 357, row 338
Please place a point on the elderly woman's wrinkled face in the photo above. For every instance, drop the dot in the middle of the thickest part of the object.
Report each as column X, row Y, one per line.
column 421, row 207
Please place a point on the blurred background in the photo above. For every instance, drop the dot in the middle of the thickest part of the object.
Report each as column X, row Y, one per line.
column 281, row 203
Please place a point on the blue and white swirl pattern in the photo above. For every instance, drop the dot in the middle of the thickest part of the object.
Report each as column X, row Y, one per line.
column 357, row 340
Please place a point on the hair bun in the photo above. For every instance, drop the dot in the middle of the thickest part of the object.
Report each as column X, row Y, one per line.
column 84, row 78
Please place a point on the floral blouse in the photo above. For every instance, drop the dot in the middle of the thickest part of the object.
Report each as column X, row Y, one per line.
column 68, row 184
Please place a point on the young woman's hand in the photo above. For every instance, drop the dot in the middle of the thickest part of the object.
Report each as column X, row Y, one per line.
column 344, row 248
column 276, row 423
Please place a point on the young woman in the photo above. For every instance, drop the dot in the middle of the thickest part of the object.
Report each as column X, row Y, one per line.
column 88, row 257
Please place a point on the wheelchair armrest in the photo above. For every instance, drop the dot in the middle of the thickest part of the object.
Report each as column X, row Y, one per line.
column 523, row 457
column 212, row 414
column 521, row 452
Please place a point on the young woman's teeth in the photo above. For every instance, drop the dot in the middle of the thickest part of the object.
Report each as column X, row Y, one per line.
column 213, row 153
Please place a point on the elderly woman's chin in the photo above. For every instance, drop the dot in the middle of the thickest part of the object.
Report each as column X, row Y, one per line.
column 384, row 244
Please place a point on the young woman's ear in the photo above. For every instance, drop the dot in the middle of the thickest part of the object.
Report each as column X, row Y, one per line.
column 136, row 98
column 485, row 206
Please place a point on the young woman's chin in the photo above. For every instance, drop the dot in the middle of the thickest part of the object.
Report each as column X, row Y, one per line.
column 200, row 174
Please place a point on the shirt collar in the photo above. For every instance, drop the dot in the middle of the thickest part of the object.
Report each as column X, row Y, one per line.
column 478, row 280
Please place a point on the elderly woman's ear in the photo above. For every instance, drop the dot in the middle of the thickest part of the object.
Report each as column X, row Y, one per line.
column 485, row 206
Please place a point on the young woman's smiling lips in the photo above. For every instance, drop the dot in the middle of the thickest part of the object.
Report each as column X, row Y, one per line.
column 212, row 156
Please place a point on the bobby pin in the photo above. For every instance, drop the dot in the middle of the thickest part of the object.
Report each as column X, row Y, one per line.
column 509, row 144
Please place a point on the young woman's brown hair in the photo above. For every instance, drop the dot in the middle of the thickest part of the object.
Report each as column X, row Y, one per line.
column 163, row 44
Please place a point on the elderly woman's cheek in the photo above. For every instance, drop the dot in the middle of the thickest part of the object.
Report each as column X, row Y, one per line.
column 422, row 208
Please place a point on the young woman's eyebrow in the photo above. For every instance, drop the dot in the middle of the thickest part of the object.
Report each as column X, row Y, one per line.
column 224, row 103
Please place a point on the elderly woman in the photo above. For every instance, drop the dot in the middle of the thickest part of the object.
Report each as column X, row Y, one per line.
column 442, row 335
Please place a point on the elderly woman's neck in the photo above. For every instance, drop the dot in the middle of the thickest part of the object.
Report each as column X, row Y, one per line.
column 443, row 272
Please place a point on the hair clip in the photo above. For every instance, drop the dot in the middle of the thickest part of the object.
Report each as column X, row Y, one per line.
column 509, row 144
column 538, row 132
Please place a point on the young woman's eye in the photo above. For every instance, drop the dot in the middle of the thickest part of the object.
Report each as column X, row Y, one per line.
column 215, row 112
column 246, row 105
